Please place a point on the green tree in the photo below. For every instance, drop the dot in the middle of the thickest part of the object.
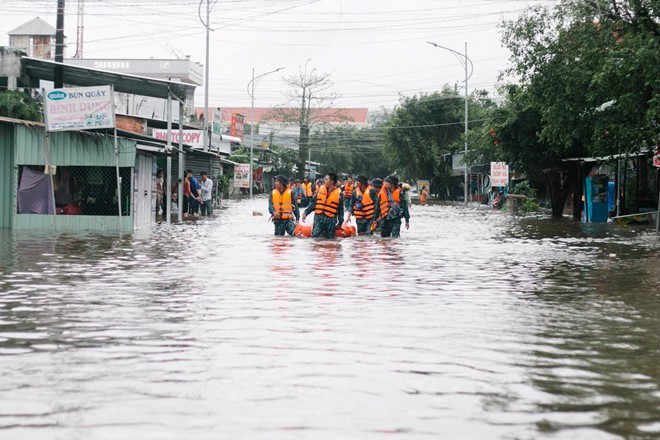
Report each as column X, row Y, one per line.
column 424, row 130
column 349, row 149
column 589, row 73
column 19, row 105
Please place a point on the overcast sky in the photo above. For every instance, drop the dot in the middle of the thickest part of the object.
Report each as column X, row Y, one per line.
column 375, row 50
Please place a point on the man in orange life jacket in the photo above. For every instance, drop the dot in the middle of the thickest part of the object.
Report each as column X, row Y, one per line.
column 283, row 208
column 393, row 207
column 308, row 187
column 348, row 188
column 328, row 207
column 364, row 205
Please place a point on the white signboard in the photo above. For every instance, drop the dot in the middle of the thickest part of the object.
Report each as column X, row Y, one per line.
column 79, row 108
column 194, row 138
column 499, row 174
column 216, row 128
column 242, row 175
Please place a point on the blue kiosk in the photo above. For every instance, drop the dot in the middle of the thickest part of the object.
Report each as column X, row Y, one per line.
column 596, row 199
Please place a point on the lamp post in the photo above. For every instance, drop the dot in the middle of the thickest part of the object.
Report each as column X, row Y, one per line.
column 464, row 62
column 250, row 89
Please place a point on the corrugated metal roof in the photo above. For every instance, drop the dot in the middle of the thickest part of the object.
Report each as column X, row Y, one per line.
column 36, row 26
column 38, row 69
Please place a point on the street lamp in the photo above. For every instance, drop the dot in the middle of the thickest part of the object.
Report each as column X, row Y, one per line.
column 464, row 62
column 250, row 90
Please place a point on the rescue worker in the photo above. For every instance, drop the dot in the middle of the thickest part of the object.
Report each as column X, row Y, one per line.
column 348, row 189
column 317, row 187
column 299, row 194
column 377, row 183
column 364, row 205
column 328, row 207
column 282, row 207
column 393, row 207
column 308, row 187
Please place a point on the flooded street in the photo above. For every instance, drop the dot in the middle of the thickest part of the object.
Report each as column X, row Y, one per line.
column 474, row 325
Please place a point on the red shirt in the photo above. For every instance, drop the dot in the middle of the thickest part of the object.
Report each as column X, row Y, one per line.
column 186, row 188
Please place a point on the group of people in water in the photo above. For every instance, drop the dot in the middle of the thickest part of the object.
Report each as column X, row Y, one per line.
column 378, row 205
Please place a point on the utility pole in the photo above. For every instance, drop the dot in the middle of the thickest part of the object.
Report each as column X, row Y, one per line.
column 206, row 66
column 466, row 192
column 59, row 46
column 79, row 29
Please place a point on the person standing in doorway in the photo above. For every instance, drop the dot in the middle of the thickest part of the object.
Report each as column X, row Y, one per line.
column 160, row 193
column 207, row 192
column 393, row 207
column 328, row 207
column 283, row 208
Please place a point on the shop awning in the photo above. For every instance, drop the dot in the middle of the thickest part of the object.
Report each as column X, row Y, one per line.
column 38, row 69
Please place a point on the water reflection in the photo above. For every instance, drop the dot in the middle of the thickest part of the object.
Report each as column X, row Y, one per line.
column 474, row 322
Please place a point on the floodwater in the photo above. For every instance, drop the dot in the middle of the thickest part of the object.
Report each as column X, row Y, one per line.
column 474, row 325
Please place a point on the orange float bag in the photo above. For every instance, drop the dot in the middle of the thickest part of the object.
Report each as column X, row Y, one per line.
column 303, row 230
column 346, row 231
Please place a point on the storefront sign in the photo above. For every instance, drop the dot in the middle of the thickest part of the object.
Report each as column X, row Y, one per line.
column 423, row 184
column 79, row 108
column 194, row 138
column 236, row 128
column 499, row 174
column 242, row 175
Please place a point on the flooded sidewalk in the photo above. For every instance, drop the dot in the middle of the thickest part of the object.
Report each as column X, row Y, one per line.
column 474, row 324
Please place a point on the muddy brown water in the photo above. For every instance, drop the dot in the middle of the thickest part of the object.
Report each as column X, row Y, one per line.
column 474, row 325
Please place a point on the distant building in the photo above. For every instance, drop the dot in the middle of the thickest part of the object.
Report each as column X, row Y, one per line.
column 268, row 129
column 36, row 38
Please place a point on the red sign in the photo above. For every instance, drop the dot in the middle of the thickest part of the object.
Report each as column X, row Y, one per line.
column 236, row 128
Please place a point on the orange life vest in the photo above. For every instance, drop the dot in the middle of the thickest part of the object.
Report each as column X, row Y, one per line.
column 282, row 204
column 385, row 204
column 308, row 189
column 327, row 204
column 317, row 187
column 422, row 197
column 348, row 191
column 368, row 208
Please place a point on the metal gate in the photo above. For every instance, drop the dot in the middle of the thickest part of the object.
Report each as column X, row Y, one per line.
column 144, row 197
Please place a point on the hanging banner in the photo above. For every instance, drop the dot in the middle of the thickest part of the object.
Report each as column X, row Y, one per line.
column 499, row 174
column 216, row 129
column 194, row 138
column 242, row 175
column 236, row 128
column 79, row 108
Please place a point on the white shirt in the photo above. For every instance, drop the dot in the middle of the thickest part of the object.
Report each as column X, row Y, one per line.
column 207, row 188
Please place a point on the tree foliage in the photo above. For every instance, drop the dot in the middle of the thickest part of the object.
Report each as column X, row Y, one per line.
column 423, row 131
column 589, row 74
column 19, row 105
column 347, row 149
